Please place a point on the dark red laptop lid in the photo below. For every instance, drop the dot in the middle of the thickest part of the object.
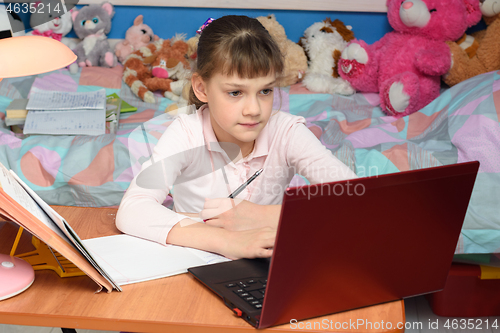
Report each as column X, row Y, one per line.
column 365, row 241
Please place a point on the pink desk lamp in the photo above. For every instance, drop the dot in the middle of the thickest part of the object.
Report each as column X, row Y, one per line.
column 23, row 56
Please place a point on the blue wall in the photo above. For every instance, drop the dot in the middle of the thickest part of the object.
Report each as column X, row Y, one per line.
column 167, row 21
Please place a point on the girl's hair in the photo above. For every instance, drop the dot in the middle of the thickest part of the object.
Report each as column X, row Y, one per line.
column 236, row 44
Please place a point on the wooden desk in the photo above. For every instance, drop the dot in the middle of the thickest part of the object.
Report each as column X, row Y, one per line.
column 164, row 305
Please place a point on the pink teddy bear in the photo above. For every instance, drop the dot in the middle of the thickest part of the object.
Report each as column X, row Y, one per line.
column 406, row 65
column 137, row 36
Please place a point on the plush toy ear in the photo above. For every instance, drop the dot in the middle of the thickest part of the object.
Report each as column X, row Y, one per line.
column 149, row 60
column 73, row 14
column 171, row 62
column 343, row 31
column 108, row 8
column 473, row 12
column 138, row 20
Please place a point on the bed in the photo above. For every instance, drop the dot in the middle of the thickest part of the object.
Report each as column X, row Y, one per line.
column 94, row 171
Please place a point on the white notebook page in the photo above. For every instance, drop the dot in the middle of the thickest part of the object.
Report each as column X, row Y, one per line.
column 74, row 122
column 62, row 100
column 130, row 259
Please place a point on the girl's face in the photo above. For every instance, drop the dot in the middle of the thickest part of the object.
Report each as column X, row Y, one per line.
column 239, row 108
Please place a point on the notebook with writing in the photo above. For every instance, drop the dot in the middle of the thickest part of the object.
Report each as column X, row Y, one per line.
column 351, row 244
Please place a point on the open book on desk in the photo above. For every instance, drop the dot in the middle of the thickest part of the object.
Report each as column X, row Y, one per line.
column 20, row 206
column 106, row 260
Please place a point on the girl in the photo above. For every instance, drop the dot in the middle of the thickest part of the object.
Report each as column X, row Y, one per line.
column 238, row 66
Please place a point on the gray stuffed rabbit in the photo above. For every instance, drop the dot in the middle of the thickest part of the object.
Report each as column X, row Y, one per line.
column 91, row 24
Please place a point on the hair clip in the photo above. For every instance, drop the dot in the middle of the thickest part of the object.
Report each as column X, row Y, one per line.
column 207, row 22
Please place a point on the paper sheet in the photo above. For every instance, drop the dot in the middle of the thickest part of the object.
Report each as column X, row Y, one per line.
column 62, row 100
column 74, row 122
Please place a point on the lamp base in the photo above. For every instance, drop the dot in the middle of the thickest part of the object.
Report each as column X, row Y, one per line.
column 16, row 275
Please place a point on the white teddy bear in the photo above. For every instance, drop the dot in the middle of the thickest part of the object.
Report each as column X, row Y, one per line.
column 324, row 42
column 56, row 28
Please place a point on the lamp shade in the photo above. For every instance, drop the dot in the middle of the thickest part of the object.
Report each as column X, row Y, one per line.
column 30, row 55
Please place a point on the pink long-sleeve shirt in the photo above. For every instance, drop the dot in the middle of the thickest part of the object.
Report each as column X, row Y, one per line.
column 196, row 167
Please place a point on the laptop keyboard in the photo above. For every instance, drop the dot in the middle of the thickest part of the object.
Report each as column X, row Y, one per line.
column 252, row 291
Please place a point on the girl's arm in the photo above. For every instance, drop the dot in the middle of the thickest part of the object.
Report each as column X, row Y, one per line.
column 254, row 243
column 141, row 212
column 313, row 160
column 237, row 214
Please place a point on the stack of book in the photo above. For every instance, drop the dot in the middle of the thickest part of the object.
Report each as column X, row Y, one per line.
column 114, row 106
column 16, row 112
column 84, row 113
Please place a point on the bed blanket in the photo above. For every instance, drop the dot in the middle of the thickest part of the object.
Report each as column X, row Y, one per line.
column 461, row 125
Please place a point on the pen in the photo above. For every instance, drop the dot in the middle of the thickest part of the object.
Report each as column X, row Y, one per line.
column 242, row 186
column 245, row 184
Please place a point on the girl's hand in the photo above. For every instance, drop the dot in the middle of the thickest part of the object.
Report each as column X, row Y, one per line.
column 255, row 243
column 239, row 215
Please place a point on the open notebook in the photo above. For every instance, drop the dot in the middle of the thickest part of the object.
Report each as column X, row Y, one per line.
column 66, row 113
column 110, row 261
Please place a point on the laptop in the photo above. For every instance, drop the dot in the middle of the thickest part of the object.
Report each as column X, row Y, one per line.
column 351, row 244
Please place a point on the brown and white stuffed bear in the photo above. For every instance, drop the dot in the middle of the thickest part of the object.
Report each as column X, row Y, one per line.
column 159, row 66
column 324, row 42
column 295, row 58
column 485, row 56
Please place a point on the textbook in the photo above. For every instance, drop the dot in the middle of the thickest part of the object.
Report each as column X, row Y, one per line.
column 125, row 107
column 17, row 108
column 24, row 207
column 110, row 261
column 114, row 107
column 14, row 121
